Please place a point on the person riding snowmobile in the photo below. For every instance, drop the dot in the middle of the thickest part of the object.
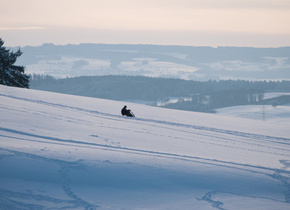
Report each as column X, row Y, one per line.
column 127, row 112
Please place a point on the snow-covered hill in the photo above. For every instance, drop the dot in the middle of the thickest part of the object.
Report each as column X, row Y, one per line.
column 183, row 62
column 69, row 152
column 270, row 113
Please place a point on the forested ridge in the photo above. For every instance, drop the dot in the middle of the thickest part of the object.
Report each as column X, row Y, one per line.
column 203, row 96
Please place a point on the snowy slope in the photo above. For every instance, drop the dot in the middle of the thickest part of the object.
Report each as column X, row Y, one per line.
column 69, row 152
column 269, row 113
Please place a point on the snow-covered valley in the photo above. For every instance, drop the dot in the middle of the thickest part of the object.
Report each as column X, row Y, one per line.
column 183, row 62
column 69, row 152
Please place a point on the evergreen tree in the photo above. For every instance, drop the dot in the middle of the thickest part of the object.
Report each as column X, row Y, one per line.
column 10, row 74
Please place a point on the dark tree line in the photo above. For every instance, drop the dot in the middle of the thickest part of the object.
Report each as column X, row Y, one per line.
column 11, row 74
column 204, row 96
column 218, row 99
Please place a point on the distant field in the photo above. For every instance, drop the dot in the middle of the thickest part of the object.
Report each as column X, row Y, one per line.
column 259, row 112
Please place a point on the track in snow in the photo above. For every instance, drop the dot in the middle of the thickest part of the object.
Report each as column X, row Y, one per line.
column 160, row 130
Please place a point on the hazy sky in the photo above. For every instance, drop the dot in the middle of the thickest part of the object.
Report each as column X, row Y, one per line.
column 257, row 23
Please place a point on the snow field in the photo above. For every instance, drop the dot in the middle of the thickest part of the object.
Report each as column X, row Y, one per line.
column 61, row 151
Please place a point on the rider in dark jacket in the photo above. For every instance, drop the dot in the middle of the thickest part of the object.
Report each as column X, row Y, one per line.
column 127, row 112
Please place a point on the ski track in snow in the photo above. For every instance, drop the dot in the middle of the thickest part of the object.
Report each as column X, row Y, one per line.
column 73, row 203
column 139, row 151
column 208, row 198
column 278, row 140
column 278, row 144
column 247, row 138
column 76, row 202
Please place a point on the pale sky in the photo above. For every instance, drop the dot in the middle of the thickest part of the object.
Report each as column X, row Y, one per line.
column 251, row 23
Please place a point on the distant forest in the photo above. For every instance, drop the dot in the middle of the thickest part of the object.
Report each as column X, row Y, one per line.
column 193, row 95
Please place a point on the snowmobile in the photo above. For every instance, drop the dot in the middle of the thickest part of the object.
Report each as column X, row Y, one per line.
column 130, row 114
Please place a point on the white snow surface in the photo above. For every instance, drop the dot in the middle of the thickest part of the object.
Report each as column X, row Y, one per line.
column 280, row 113
column 68, row 152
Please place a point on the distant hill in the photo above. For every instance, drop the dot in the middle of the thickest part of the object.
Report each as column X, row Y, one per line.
column 184, row 62
column 188, row 95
